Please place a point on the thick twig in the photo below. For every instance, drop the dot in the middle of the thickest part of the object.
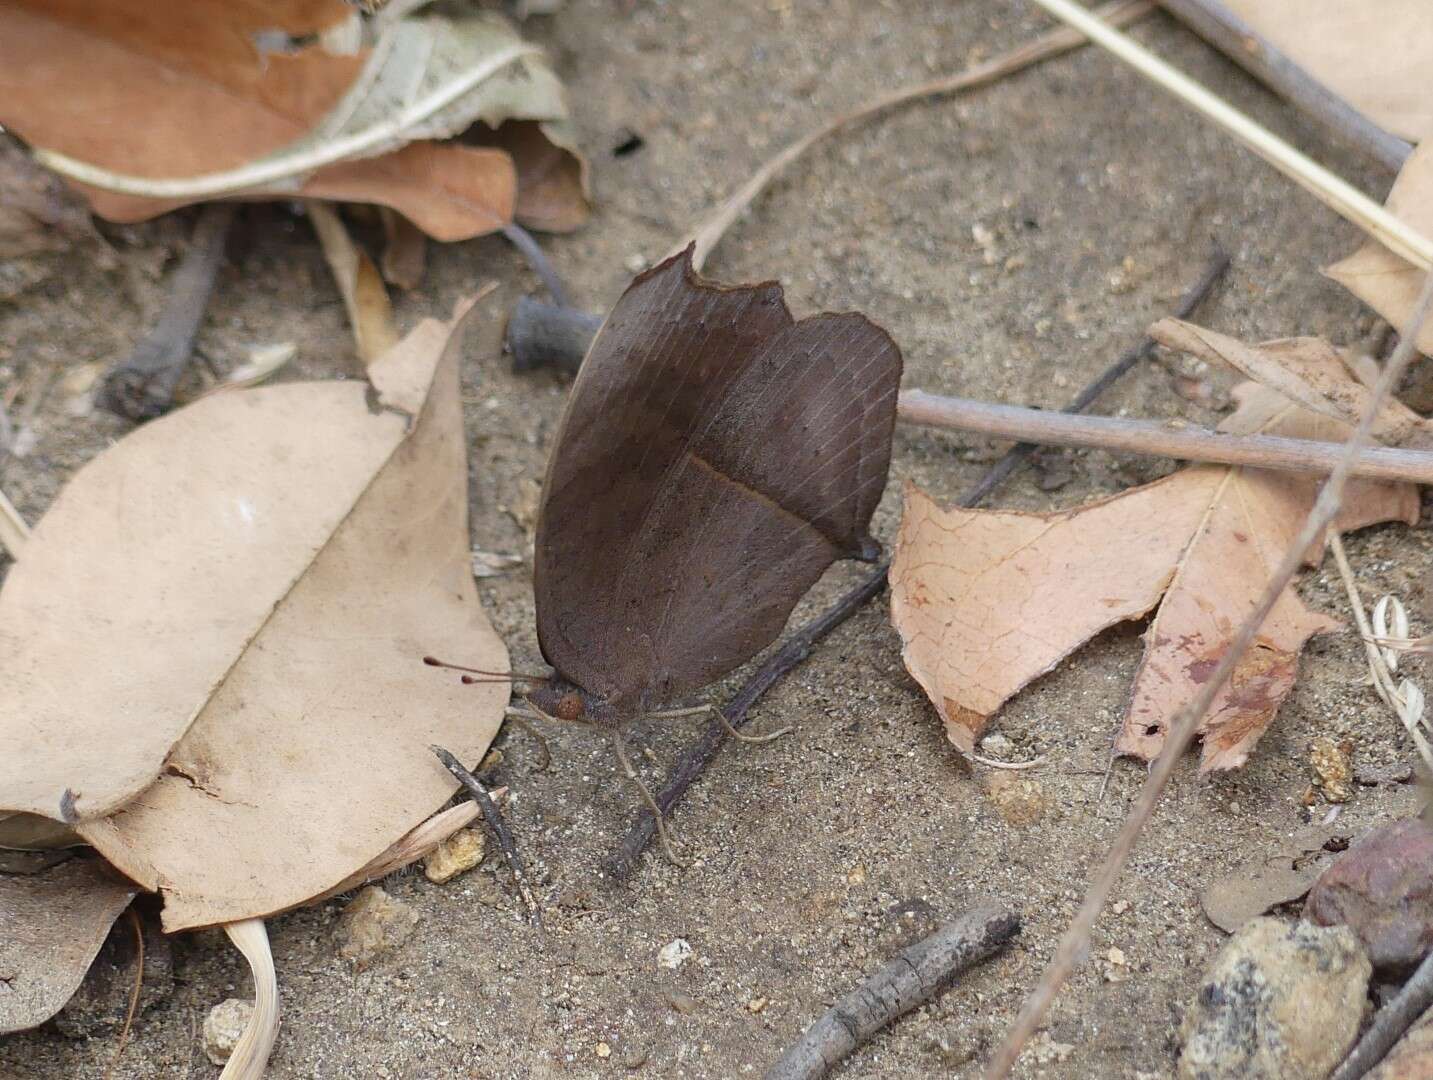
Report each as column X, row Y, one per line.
column 541, row 335
column 142, row 385
column 1216, row 24
column 1334, row 192
column 1188, row 442
column 700, row 754
column 1186, row 722
column 915, row 976
column 537, row 260
column 499, row 827
column 1392, row 1021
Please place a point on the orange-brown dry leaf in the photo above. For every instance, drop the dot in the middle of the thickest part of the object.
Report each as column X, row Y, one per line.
column 1376, row 54
column 1252, row 516
column 986, row 601
column 312, row 757
column 1380, row 278
column 181, row 89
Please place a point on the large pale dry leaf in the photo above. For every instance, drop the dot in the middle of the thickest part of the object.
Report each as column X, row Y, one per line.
column 159, row 91
column 52, row 925
column 167, row 557
column 986, row 601
column 1380, row 278
column 1374, row 53
column 299, row 661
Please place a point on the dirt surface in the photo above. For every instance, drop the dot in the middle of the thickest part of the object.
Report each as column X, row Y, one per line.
column 819, row 855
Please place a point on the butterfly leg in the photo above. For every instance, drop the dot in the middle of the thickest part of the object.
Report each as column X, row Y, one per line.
column 662, row 834
column 721, row 718
column 520, row 717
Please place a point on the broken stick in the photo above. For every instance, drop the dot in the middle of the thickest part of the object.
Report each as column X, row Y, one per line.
column 913, row 977
column 499, row 827
column 142, row 386
column 1174, row 439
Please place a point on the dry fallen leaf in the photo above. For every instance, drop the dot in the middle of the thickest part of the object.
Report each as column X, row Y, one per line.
column 986, row 601
column 370, row 314
column 248, row 588
column 1280, row 876
column 1380, row 278
column 51, row 926
column 1307, row 371
column 74, row 78
column 1373, row 53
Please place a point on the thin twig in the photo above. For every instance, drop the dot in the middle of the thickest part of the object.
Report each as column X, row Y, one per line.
column 142, row 386
column 709, row 232
column 1186, row 721
column 287, row 165
column 495, row 821
column 1017, row 454
column 700, row 754
column 133, row 992
column 1231, row 35
column 1178, row 439
column 913, row 977
column 1392, row 1021
column 1337, row 194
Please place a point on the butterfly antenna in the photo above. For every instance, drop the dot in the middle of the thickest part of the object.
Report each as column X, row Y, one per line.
column 488, row 676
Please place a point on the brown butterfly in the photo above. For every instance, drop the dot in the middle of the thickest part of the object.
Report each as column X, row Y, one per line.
column 714, row 458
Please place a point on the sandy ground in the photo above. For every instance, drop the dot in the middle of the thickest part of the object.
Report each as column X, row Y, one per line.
column 1102, row 196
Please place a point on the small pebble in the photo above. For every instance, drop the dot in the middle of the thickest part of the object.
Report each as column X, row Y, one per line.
column 683, row 1003
column 756, row 1005
column 674, row 954
column 856, row 876
column 223, row 1027
column 1332, row 763
column 635, row 262
column 603, row 1051
column 373, row 923
column 996, row 745
column 1018, row 798
column 1119, row 907
column 461, row 851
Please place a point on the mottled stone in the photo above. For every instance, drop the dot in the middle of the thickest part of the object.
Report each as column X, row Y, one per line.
column 224, row 1026
column 1382, row 889
column 1281, row 1001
